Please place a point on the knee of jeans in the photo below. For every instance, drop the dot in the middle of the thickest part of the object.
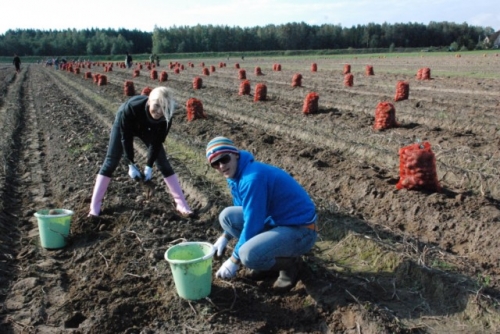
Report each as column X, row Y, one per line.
column 253, row 259
column 223, row 218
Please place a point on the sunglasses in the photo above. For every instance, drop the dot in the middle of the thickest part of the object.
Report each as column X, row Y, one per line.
column 222, row 161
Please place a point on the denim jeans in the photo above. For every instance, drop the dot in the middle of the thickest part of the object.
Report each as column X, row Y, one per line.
column 115, row 153
column 259, row 252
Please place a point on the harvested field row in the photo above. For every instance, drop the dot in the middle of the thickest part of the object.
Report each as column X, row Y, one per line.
column 387, row 260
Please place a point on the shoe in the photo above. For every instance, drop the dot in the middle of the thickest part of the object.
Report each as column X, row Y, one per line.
column 289, row 269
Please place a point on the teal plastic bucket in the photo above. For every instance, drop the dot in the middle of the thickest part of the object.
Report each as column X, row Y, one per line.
column 191, row 265
column 53, row 226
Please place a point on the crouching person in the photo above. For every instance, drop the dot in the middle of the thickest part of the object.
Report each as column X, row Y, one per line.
column 272, row 217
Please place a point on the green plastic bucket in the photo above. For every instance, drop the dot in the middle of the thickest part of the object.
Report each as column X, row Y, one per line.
column 191, row 265
column 53, row 226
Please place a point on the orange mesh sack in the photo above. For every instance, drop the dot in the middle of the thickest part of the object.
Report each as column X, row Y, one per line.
column 128, row 88
column 197, row 83
column 311, row 103
column 236, row 66
column 402, row 91
column 297, row 80
column 242, row 74
column 385, row 116
column 136, row 73
column 419, row 74
column 163, row 76
column 369, row 70
column 348, row 80
column 314, row 67
column 146, row 91
column 103, row 80
column 194, row 109
column 258, row 71
column 260, row 92
column 426, row 73
column 347, row 69
column 206, row 71
column 417, row 168
column 153, row 74
column 212, row 68
column 244, row 88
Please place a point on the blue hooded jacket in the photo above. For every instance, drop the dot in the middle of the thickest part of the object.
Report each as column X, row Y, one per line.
column 269, row 197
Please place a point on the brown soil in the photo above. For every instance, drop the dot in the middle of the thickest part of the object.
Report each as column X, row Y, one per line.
column 387, row 260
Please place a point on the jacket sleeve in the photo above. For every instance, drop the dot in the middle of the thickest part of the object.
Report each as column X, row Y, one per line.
column 126, row 119
column 254, row 198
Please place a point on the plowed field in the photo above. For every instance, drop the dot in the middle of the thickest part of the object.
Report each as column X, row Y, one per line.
column 387, row 260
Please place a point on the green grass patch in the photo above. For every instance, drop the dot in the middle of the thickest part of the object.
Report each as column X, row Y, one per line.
column 357, row 254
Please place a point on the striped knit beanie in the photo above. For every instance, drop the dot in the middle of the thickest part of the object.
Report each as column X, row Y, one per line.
column 218, row 146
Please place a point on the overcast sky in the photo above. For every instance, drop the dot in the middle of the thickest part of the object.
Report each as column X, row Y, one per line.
column 145, row 15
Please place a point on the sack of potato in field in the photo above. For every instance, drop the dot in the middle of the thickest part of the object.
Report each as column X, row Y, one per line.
column 385, row 116
column 297, row 80
column 417, row 168
column 402, row 91
column 244, row 88
column 163, row 76
column 369, row 70
column 347, row 69
column 146, row 91
column 260, row 92
column 197, row 83
column 194, row 109
column 348, row 80
column 128, row 88
column 311, row 103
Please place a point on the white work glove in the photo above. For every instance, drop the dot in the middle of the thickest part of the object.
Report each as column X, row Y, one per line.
column 220, row 245
column 148, row 173
column 227, row 270
column 134, row 172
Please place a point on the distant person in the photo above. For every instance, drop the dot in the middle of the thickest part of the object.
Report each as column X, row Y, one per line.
column 128, row 60
column 157, row 59
column 272, row 218
column 17, row 63
column 148, row 118
column 56, row 63
column 152, row 58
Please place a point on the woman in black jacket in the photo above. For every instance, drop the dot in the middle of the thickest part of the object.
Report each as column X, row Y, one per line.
column 149, row 119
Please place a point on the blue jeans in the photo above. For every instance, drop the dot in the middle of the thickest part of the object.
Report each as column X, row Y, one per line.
column 260, row 252
column 115, row 153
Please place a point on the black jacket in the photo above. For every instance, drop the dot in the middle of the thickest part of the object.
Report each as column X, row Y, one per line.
column 134, row 120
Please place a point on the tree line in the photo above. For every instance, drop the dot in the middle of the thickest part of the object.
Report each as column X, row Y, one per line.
column 210, row 38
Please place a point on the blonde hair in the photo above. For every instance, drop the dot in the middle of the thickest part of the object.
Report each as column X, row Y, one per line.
column 164, row 96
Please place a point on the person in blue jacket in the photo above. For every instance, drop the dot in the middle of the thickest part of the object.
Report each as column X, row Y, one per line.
column 272, row 217
column 148, row 118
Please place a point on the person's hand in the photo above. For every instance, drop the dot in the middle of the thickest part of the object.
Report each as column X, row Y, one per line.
column 227, row 270
column 134, row 172
column 148, row 173
column 220, row 245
